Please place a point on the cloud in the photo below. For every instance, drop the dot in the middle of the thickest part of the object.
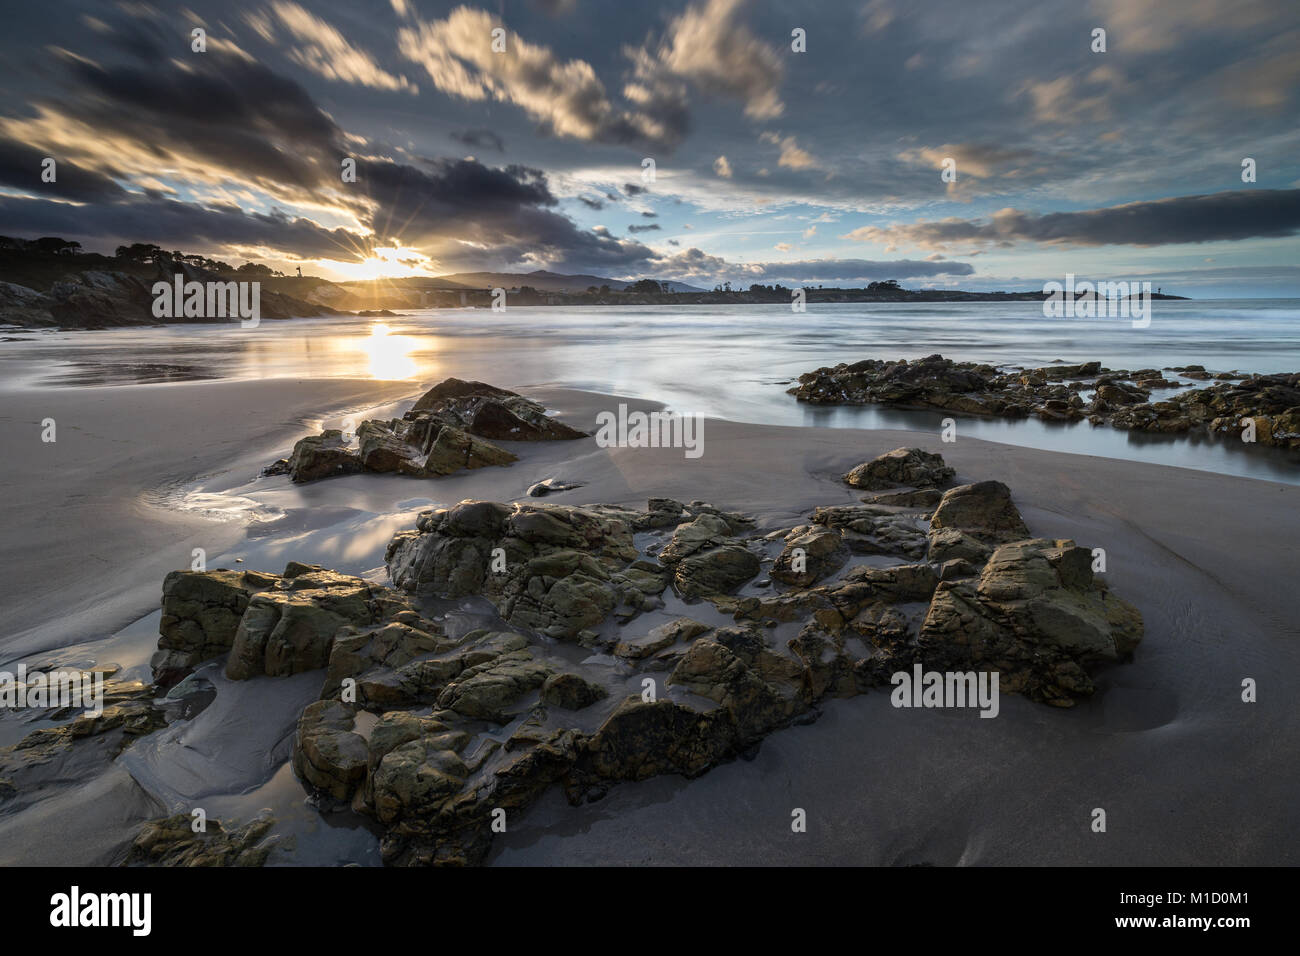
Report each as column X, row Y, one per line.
column 324, row 51
column 792, row 155
column 1143, row 26
column 652, row 227
column 261, row 143
column 1217, row 217
column 479, row 139
column 20, row 167
column 591, row 203
column 708, row 45
column 695, row 265
column 182, row 225
column 783, row 247
column 566, row 97
column 972, row 159
column 722, row 167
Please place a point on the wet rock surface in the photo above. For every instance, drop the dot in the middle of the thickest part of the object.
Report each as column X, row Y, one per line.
column 435, row 732
column 453, row 426
column 172, row 841
column 1118, row 398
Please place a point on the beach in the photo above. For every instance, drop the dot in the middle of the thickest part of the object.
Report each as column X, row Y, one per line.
column 1187, row 771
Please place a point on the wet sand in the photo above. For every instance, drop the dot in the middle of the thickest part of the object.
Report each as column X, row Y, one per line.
column 1187, row 773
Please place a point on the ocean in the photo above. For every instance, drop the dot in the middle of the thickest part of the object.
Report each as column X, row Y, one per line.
column 727, row 361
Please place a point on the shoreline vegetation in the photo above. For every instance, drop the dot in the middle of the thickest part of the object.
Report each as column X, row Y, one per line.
column 51, row 283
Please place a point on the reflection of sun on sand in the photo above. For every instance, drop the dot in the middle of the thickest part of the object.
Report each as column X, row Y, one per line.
column 390, row 355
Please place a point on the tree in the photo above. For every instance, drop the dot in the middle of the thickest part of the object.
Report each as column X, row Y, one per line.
column 140, row 252
column 60, row 247
column 254, row 269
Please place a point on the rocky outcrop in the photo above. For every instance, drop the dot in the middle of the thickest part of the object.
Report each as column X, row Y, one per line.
column 269, row 624
column 912, row 467
column 201, row 611
column 1117, row 398
column 983, row 511
column 1037, row 615
column 172, row 841
column 437, row 735
column 451, row 427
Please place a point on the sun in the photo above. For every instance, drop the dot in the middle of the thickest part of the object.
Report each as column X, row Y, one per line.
column 387, row 262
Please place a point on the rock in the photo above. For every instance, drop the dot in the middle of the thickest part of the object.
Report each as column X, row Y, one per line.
column 489, row 690
column 922, row 498
column 171, row 841
column 913, row 467
column 1120, row 399
column 716, row 571
column 1037, row 616
column 447, row 430
column 327, row 753
column 949, row 544
column 558, row 560
column 472, row 723
column 455, row 388
column 571, row 691
column 285, row 632
column 496, row 420
column 549, row 485
column 983, row 510
column 201, row 611
column 417, row 775
column 381, row 450
column 659, row 638
column 454, row 449
column 322, row 456
column 810, row 556
column 642, row 739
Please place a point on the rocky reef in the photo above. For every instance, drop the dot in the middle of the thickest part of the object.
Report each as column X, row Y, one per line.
column 1117, row 398
column 628, row 643
column 453, row 426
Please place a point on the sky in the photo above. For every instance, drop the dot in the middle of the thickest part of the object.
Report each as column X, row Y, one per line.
column 973, row 144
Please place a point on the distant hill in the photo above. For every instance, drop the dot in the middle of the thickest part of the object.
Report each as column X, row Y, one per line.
column 544, row 281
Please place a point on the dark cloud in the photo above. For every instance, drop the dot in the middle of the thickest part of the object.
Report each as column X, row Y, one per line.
column 479, row 139
column 650, row 215
column 231, row 122
column 591, row 203
column 181, row 225
column 21, row 167
column 632, row 189
column 1217, row 217
column 652, row 227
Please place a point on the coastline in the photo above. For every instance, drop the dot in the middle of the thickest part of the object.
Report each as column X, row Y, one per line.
column 1209, row 574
